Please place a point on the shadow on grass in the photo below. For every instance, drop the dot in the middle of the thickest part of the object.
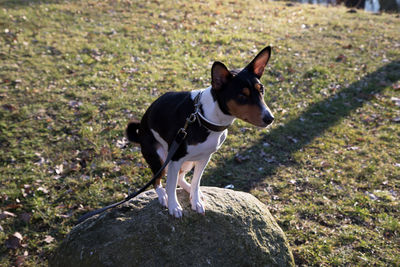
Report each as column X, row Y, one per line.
column 23, row 3
column 298, row 132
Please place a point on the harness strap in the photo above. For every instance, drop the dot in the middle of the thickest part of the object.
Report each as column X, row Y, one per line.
column 209, row 125
column 203, row 121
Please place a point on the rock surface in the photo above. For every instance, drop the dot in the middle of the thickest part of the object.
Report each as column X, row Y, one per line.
column 237, row 230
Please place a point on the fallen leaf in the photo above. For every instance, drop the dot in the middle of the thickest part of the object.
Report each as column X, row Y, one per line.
column 24, row 194
column 122, row 143
column 266, row 144
column 74, row 104
column 42, row 189
column 325, row 164
column 40, row 161
column 341, row 58
column 12, row 206
column 371, row 195
column 396, row 101
column 9, row 107
column 26, row 190
column 59, row 169
column 48, row 239
column 353, row 148
column 18, row 235
column 6, row 214
column 240, row 158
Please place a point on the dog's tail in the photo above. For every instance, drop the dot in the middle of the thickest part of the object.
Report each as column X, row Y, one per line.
column 132, row 131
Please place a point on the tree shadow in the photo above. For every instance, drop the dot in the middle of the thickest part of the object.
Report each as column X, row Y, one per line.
column 23, row 3
column 297, row 133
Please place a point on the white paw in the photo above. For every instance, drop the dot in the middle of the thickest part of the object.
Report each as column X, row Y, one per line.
column 198, row 206
column 175, row 209
column 162, row 196
column 187, row 189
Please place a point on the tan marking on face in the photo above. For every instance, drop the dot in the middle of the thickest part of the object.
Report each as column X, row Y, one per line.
column 246, row 91
column 249, row 113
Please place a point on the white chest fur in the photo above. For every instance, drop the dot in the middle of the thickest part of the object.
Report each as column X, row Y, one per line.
column 204, row 149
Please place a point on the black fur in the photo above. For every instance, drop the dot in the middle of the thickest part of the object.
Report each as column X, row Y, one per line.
column 132, row 131
column 167, row 115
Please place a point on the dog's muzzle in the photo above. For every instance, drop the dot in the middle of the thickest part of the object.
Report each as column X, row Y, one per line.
column 267, row 117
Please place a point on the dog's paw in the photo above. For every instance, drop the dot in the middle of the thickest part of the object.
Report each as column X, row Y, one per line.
column 162, row 196
column 175, row 209
column 198, row 206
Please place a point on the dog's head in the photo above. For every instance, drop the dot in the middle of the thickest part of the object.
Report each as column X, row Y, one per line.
column 240, row 93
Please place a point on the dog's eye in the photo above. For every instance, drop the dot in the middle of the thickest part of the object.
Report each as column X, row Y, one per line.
column 245, row 93
column 243, row 96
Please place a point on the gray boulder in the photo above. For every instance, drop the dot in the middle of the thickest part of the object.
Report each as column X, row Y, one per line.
column 237, row 230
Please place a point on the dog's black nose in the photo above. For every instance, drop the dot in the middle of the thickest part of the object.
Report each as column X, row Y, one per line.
column 268, row 119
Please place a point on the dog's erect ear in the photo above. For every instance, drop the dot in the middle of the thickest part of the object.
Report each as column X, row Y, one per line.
column 219, row 75
column 258, row 64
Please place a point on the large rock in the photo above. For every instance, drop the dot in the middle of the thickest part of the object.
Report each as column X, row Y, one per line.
column 237, row 230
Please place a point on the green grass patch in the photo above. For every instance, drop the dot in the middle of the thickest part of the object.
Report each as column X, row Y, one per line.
column 73, row 73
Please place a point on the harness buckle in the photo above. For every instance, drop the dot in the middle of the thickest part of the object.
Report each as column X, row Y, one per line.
column 192, row 118
column 181, row 134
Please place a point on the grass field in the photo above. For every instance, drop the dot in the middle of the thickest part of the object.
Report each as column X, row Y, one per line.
column 73, row 73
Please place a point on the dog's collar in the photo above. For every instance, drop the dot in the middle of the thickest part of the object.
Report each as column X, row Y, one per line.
column 203, row 121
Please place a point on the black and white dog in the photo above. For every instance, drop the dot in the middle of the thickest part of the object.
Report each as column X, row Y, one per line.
column 232, row 94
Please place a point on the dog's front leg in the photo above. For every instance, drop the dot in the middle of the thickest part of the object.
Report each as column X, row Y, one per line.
column 172, row 180
column 195, row 194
